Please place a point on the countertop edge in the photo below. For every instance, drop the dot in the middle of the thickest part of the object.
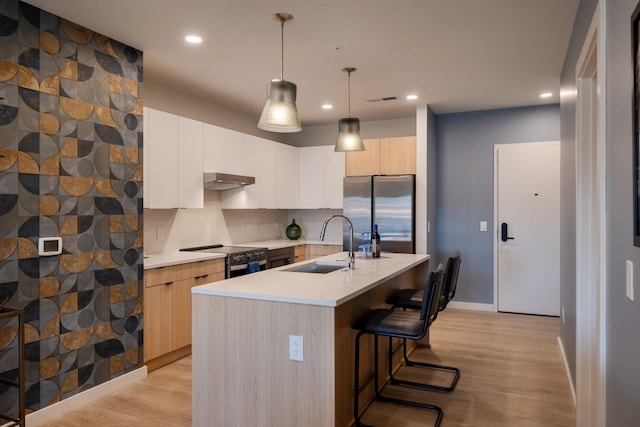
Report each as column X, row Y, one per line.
column 177, row 258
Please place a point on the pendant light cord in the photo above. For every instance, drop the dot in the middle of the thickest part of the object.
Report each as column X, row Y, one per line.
column 349, row 91
column 282, row 48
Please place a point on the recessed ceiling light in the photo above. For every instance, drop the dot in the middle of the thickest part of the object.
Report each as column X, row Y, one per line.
column 193, row 39
column 412, row 97
column 546, row 95
column 327, row 106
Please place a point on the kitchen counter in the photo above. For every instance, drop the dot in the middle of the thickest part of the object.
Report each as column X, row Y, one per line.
column 174, row 258
column 330, row 289
column 242, row 371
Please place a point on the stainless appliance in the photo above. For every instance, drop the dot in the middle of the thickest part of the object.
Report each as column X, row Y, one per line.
column 225, row 181
column 386, row 200
column 240, row 260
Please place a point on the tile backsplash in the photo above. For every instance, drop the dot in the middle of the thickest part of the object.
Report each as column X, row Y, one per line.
column 181, row 228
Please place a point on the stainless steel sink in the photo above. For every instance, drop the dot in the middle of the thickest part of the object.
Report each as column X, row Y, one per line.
column 318, row 268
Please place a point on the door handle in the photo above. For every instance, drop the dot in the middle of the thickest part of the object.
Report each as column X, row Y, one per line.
column 504, row 232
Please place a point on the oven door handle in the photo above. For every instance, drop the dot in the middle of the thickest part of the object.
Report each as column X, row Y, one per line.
column 244, row 266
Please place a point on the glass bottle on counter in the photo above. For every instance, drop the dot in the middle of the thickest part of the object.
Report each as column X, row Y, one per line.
column 375, row 242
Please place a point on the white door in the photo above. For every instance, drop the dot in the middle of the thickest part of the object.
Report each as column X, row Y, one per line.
column 528, row 227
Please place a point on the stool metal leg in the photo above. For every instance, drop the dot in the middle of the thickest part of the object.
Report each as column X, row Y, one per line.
column 409, row 362
column 375, row 376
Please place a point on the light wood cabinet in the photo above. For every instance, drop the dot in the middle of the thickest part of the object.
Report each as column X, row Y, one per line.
column 365, row 162
column 385, row 156
column 300, row 253
column 316, row 251
column 167, row 308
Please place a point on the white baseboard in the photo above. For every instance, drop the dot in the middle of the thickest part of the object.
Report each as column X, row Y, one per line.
column 471, row 306
column 41, row 416
column 565, row 363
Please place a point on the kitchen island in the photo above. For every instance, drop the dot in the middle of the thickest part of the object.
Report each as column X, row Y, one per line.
column 242, row 373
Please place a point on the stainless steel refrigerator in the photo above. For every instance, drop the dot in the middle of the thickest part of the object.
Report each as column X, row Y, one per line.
column 386, row 200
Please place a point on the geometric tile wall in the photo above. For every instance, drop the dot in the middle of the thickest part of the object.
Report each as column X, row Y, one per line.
column 70, row 166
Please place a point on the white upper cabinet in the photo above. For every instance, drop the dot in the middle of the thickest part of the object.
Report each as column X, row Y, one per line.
column 311, row 177
column 213, row 150
column 320, row 177
column 234, row 154
column 190, row 169
column 173, row 161
column 161, row 145
column 258, row 159
column 333, row 177
column 286, row 177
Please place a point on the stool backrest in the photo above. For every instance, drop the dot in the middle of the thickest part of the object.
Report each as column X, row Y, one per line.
column 431, row 297
column 450, row 280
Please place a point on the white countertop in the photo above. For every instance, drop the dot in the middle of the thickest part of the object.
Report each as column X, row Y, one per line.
column 330, row 289
column 175, row 258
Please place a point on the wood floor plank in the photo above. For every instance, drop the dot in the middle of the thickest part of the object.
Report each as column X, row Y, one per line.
column 512, row 375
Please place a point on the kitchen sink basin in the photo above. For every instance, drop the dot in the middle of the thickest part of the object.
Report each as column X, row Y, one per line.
column 316, row 267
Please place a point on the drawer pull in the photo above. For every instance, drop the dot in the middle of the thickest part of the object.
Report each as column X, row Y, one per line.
column 201, row 277
column 168, row 283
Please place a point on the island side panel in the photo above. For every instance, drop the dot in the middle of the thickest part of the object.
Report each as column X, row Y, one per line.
column 346, row 315
column 242, row 375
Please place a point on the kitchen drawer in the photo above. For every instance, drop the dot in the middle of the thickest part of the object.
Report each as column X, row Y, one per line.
column 173, row 273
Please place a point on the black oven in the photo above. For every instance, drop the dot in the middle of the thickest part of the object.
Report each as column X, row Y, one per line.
column 239, row 260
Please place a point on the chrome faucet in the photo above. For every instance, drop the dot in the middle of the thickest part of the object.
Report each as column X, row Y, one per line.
column 350, row 258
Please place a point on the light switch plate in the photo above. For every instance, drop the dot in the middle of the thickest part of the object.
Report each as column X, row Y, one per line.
column 483, row 225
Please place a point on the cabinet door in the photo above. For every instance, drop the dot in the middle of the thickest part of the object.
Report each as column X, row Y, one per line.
column 300, row 253
column 158, row 321
column 162, row 144
column 333, row 177
column 234, row 151
column 213, row 149
column 398, row 155
column 182, row 313
column 311, row 177
column 365, row 162
column 190, row 170
column 287, row 177
column 268, row 159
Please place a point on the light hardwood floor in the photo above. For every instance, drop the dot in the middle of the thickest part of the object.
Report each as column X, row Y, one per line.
column 512, row 375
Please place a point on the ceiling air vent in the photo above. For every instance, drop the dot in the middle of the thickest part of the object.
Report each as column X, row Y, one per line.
column 386, row 98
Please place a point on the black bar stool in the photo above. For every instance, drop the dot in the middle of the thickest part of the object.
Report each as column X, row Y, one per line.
column 412, row 299
column 397, row 324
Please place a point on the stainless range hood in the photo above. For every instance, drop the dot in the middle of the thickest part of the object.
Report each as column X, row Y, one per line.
column 225, row 181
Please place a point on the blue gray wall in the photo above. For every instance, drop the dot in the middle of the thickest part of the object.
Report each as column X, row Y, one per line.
column 623, row 315
column 465, row 184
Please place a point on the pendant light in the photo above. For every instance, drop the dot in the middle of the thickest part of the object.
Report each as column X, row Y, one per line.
column 280, row 113
column 349, row 128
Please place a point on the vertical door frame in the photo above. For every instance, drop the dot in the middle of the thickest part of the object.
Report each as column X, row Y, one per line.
column 591, row 227
column 496, row 227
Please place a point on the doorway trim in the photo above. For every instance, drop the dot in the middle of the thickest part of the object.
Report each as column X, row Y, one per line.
column 496, row 227
column 591, row 230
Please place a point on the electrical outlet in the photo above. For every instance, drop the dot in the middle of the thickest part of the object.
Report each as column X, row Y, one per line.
column 296, row 348
column 483, row 225
column 159, row 233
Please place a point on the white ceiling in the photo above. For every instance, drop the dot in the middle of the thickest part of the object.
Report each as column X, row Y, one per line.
column 456, row 55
